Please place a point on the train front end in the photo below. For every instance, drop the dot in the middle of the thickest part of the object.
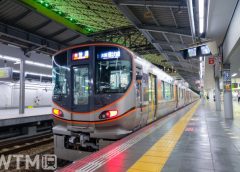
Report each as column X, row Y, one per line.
column 93, row 97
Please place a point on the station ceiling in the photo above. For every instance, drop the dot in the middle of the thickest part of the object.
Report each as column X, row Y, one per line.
column 157, row 30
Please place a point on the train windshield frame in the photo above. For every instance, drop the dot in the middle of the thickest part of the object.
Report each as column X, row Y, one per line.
column 113, row 70
column 60, row 74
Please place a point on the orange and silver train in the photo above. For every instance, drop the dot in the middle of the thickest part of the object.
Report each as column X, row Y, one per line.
column 105, row 91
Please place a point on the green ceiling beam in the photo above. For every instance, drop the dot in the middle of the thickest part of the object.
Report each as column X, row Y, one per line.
column 86, row 17
column 56, row 16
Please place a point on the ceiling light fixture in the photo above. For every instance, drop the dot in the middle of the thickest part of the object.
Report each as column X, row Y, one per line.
column 33, row 73
column 234, row 74
column 38, row 64
column 8, row 58
column 29, row 62
column 201, row 15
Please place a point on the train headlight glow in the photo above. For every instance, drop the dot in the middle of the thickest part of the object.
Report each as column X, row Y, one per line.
column 108, row 114
column 111, row 113
column 57, row 112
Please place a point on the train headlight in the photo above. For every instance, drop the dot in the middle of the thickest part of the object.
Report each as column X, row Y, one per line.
column 108, row 114
column 57, row 112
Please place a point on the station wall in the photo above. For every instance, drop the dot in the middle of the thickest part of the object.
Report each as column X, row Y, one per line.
column 36, row 94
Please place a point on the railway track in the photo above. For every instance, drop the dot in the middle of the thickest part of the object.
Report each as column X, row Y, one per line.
column 15, row 146
column 35, row 145
column 39, row 151
column 31, row 146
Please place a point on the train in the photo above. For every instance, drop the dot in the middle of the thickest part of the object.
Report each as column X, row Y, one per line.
column 105, row 91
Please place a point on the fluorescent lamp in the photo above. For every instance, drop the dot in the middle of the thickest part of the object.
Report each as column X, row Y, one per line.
column 234, row 74
column 38, row 64
column 201, row 15
column 33, row 73
column 38, row 74
column 8, row 58
column 191, row 17
column 17, row 61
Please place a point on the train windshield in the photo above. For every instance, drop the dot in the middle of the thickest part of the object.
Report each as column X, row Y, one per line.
column 81, row 85
column 60, row 72
column 113, row 70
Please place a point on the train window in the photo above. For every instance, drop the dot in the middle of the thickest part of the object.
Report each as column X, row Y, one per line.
column 179, row 93
column 159, row 90
column 113, row 70
column 163, row 92
column 171, row 93
column 59, row 73
column 168, row 94
column 81, row 85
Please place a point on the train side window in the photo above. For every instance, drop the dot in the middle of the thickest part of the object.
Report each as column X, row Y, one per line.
column 159, row 90
column 60, row 73
column 179, row 93
column 163, row 88
column 167, row 91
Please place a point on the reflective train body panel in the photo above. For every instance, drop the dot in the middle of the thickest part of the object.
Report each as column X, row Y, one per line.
column 105, row 91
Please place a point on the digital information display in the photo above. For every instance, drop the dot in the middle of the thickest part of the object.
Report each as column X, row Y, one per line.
column 195, row 52
column 109, row 55
column 6, row 73
column 205, row 50
column 192, row 52
column 80, row 55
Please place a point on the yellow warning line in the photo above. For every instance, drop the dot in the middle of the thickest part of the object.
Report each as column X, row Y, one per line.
column 155, row 158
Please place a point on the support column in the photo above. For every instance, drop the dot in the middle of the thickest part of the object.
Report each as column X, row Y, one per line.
column 217, row 95
column 22, row 87
column 228, row 104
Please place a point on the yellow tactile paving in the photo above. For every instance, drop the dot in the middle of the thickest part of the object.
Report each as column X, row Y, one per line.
column 155, row 158
column 135, row 170
column 146, row 166
column 152, row 159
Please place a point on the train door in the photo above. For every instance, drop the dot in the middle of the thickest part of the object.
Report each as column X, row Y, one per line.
column 176, row 94
column 81, row 95
column 139, row 92
column 139, row 87
column 152, row 91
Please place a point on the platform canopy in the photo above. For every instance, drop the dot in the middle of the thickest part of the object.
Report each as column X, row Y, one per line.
column 157, row 30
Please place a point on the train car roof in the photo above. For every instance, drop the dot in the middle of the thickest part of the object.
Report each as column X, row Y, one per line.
column 154, row 69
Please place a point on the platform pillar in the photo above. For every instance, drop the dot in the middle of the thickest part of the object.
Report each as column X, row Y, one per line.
column 228, row 104
column 22, row 87
column 217, row 95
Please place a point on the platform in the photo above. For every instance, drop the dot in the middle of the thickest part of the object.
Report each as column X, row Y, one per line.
column 12, row 116
column 193, row 139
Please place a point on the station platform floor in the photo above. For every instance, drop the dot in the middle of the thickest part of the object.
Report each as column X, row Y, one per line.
column 14, row 113
column 193, row 139
column 12, row 116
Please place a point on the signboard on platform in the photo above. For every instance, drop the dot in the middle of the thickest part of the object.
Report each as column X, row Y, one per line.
column 211, row 60
column 6, row 73
column 227, row 79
